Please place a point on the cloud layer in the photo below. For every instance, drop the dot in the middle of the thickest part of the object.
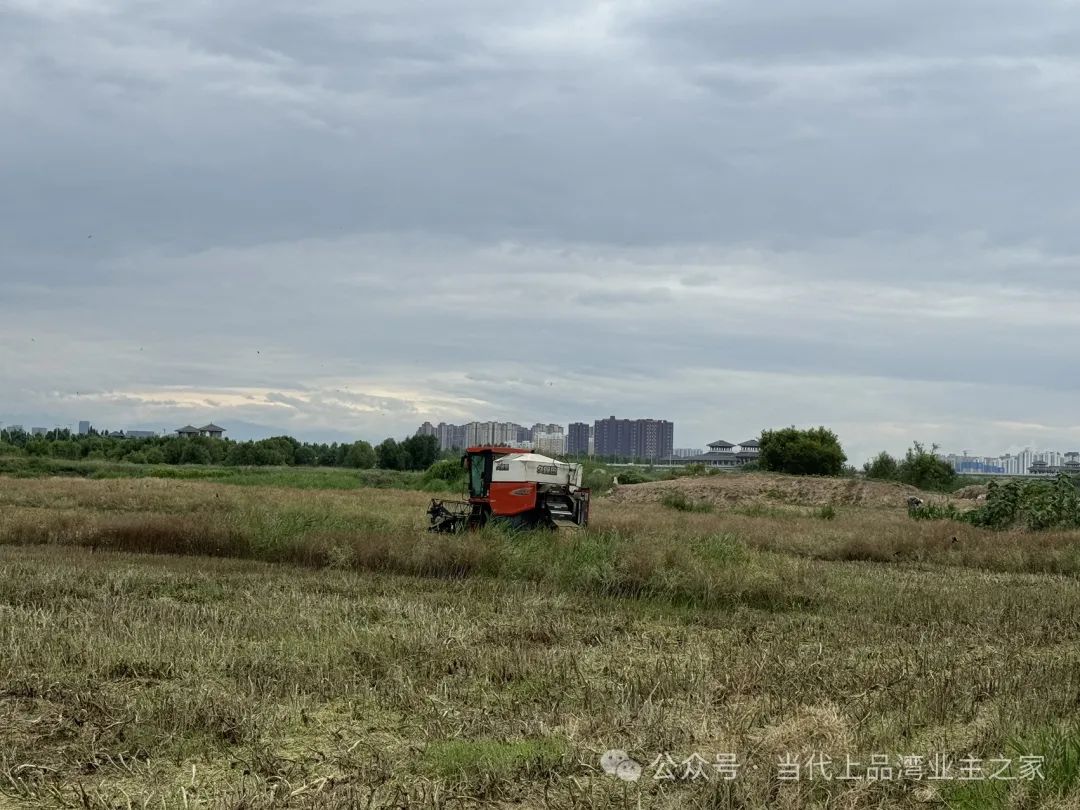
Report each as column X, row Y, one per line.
column 345, row 219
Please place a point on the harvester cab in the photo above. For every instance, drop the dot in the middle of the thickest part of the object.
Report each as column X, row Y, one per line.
column 518, row 488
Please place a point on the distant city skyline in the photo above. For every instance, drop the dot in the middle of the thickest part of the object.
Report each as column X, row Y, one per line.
column 607, row 438
column 1020, row 462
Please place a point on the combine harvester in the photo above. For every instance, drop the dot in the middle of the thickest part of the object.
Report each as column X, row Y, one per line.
column 517, row 488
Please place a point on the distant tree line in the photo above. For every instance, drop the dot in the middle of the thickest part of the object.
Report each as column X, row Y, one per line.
column 816, row 451
column 414, row 453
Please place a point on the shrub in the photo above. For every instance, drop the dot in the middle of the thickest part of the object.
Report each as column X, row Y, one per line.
column 449, row 470
column 883, row 467
column 598, row 480
column 678, row 501
column 923, row 469
column 629, row 475
column 1033, row 505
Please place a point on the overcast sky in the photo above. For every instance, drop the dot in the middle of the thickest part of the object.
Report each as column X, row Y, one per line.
column 341, row 218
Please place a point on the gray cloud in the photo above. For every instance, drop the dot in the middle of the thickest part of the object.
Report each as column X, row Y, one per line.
column 345, row 219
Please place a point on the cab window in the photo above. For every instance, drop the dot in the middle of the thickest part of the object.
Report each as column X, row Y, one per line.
column 476, row 475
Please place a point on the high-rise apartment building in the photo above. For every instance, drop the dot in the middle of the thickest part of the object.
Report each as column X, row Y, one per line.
column 477, row 433
column 611, row 437
column 577, row 439
column 655, row 438
column 651, row 439
column 549, row 444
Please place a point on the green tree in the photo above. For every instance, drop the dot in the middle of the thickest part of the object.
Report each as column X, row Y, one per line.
column 923, row 469
column 815, row 451
column 194, row 452
column 389, row 455
column 173, row 449
column 419, row 452
column 276, row 451
column 882, row 467
column 361, row 456
column 242, row 454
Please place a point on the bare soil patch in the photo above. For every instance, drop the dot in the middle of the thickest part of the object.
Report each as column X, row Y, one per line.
column 738, row 489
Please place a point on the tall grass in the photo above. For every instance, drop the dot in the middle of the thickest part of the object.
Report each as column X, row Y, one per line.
column 705, row 571
column 292, row 477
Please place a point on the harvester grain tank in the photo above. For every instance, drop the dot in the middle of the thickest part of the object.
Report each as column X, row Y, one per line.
column 518, row 488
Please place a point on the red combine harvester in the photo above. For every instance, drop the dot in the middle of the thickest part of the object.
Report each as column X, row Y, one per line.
column 516, row 487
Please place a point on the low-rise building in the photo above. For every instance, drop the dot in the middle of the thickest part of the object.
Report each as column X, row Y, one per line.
column 722, row 454
column 1048, row 464
column 211, row 430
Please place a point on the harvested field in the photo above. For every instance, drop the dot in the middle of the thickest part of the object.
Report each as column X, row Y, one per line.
column 203, row 645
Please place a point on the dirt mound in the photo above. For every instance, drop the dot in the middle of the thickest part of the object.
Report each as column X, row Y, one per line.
column 735, row 489
column 971, row 493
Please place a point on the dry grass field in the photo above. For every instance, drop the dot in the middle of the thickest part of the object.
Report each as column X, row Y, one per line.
column 191, row 644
